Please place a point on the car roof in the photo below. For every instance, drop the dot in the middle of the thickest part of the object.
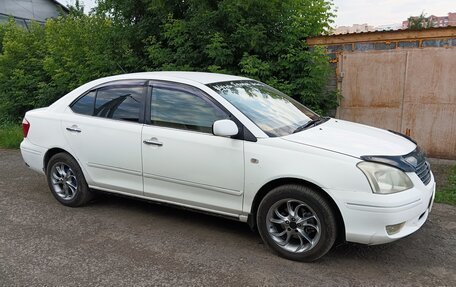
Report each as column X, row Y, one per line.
column 200, row 77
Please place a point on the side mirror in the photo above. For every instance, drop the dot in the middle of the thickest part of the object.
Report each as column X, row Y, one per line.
column 225, row 128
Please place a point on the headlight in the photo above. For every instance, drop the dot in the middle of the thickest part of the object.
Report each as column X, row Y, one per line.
column 385, row 179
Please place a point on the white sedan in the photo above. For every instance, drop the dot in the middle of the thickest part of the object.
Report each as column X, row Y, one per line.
column 235, row 147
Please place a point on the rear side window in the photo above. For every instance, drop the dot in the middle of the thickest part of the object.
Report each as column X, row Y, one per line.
column 85, row 104
column 121, row 103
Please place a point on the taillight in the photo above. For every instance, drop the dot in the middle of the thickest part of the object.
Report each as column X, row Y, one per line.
column 25, row 127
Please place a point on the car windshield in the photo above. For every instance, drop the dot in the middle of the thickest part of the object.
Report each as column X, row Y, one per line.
column 272, row 111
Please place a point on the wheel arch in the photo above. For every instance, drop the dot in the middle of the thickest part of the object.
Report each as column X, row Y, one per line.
column 51, row 152
column 266, row 188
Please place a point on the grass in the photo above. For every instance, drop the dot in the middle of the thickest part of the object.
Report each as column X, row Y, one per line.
column 10, row 135
column 447, row 193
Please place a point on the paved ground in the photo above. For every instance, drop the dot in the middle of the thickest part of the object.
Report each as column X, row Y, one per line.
column 118, row 241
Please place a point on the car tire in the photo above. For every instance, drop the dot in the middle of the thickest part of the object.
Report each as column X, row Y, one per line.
column 66, row 181
column 297, row 222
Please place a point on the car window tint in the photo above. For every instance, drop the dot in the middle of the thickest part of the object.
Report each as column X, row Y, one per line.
column 183, row 110
column 121, row 103
column 85, row 104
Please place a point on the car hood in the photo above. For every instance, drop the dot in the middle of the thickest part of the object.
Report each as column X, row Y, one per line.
column 353, row 139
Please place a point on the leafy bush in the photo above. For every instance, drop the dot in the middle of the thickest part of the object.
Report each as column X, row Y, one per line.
column 260, row 39
column 39, row 66
column 21, row 70
column 81, row 48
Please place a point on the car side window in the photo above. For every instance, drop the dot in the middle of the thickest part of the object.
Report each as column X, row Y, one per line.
column 121, row 103
column 85, row 104
column 179, row 109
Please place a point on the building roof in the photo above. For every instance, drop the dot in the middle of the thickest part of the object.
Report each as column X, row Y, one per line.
column 64, row 7
column 388, row 35
column 27, row 10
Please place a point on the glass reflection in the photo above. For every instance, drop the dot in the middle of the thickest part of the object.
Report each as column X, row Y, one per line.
column 272, row 111
column 119, row 103
column 183, row 110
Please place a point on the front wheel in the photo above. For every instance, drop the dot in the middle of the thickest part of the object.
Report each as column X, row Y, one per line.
column 66, row 181
column 297, row 222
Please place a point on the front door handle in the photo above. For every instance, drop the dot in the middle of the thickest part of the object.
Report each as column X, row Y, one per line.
column 74, row 128
column 153, row 141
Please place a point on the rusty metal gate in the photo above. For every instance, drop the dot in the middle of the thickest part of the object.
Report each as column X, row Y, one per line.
column 412, row 91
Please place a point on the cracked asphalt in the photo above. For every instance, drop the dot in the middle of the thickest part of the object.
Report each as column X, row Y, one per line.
column 118, row 241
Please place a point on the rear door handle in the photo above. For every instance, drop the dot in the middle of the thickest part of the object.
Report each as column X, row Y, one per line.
column 153, row 141
column 74, row 128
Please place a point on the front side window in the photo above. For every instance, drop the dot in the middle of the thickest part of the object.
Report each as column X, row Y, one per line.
column 180, row 109
column 272, row 111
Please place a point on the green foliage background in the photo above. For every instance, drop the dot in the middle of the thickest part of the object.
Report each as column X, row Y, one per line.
column 260, row 39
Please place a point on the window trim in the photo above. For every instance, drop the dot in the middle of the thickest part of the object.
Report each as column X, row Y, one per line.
column 244, row 133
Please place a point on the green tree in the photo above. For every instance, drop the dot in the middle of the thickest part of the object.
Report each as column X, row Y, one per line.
column 264, row 40
column 420, row 22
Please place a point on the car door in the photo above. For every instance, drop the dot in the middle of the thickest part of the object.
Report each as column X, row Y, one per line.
column 103, row 130
column 183, row 162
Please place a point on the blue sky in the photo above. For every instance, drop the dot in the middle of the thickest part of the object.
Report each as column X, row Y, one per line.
column 373, row 12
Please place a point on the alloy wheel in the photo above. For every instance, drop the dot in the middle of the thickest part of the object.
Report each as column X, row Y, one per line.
column 293, row 225
column 64, row 181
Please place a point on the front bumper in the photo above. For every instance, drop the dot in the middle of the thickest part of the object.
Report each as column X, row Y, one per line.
column 366, row 215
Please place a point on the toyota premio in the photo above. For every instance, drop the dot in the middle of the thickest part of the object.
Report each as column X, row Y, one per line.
column 234, row 147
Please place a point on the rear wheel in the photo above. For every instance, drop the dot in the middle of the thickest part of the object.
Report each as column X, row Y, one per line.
column 66, row 181
column 297, row 223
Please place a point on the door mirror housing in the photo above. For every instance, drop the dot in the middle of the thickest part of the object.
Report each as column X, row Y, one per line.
column 225, row 128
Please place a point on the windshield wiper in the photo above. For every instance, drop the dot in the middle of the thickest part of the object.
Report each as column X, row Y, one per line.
column 311, row 123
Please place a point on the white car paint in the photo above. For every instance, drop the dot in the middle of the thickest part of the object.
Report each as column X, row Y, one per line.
column 353, row 139
column 95, row 146
column 193, row 168
column 222, row 175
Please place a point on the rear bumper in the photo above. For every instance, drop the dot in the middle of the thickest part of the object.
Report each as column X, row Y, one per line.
column 33, row 155
column 366, row 216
